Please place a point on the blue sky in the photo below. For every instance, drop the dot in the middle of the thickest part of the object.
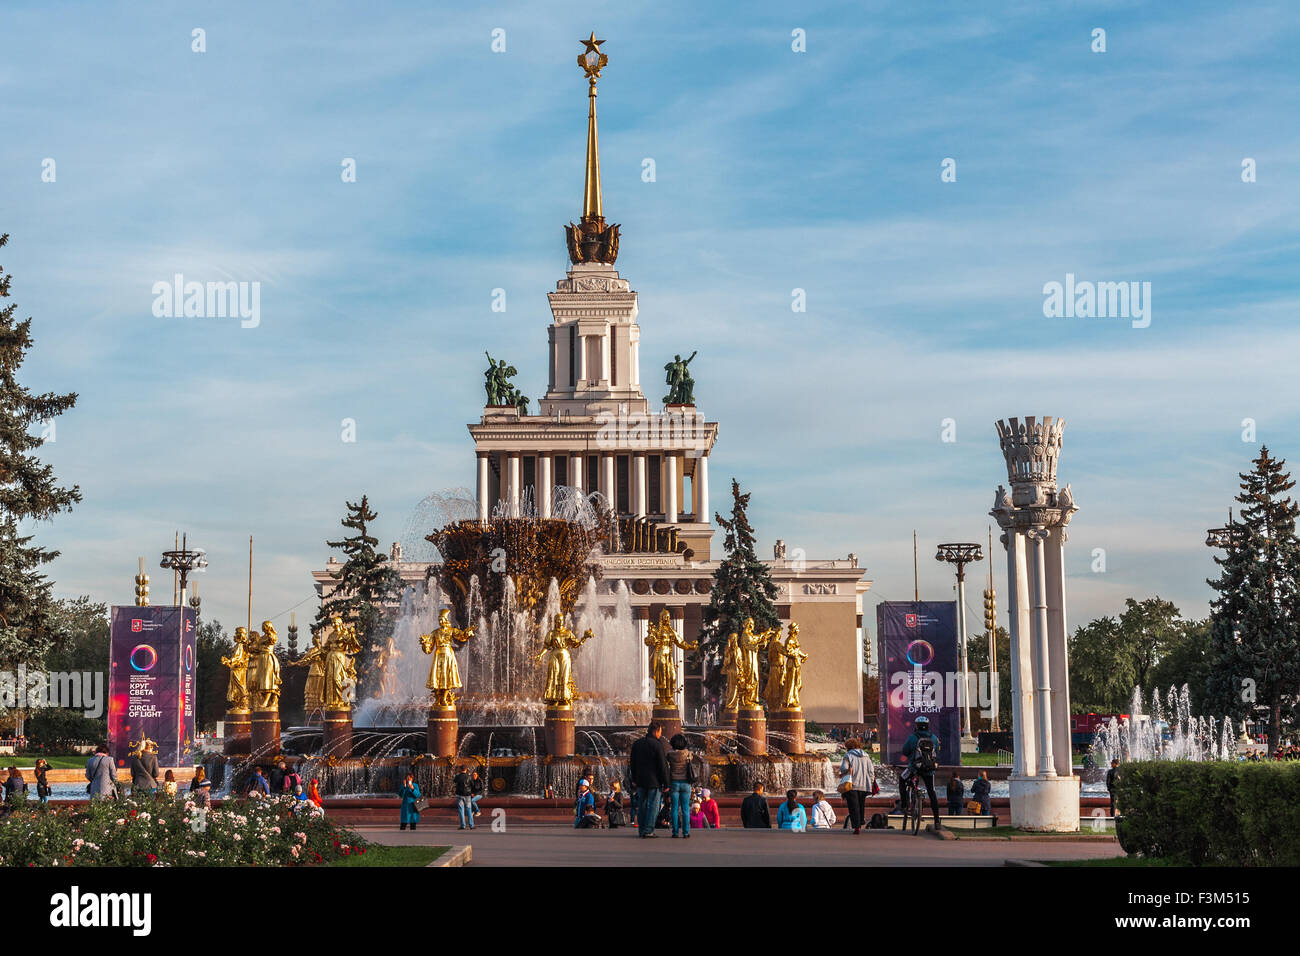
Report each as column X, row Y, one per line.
column 776, row 170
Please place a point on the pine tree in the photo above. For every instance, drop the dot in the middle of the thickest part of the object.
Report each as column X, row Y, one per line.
column 742, row 587
column 367, row 587
column 28, row 492
column 1255, row 627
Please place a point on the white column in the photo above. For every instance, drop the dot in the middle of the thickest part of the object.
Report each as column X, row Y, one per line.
column 575, row 472
column 544, row 485
column 639, row 485
column 670, row 488
column 482, row 486
column 642, row 632
column 702, row 485
column 512, row 493
column 605, row 370
column 1046, row 765
column 607, row 479
column 582, row 360
column 636, row 364
column 1022, row 680
column 1059, row 671
column 677, row 615
column 963, row 691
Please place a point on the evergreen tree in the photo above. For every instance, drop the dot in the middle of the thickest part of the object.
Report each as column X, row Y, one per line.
column 366, row 590
column 1255, row 631
column 28, row 492
column 211, row 679
column 742, row 587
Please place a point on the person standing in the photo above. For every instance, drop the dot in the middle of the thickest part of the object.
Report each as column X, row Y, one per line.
column 709, row 807
column 14, row 785
column 464, row 796
column 857, row 782
column 144, row 770
column 475, row 791
column 823, row 817
column 980, row 792
column 410, row 796
column 648, row 767
column 201, row 788
column 583, row 804
column 258, row 786
column 1112, row 778
column 289, row 779
column 42, row 784
column 754, row 814
column 791, row 815
column 682, row 775
column 169, row 784
column 276, row 779
column 102, row 775
column 956, row 791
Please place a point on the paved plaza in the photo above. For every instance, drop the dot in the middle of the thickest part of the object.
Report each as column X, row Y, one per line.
column 564, row 846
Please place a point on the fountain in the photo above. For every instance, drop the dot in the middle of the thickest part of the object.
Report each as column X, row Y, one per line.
column 1164, row 730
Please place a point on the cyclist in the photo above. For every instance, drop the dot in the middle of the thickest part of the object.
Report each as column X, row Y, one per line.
column 922, row 753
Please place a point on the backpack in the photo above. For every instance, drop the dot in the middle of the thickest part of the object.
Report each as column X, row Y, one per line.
column 924, row 761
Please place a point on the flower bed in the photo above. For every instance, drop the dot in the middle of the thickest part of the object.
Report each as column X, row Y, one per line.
column 165, row 832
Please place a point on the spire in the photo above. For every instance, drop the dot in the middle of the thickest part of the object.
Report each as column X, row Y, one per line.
column 592, row 61
column 591, row 240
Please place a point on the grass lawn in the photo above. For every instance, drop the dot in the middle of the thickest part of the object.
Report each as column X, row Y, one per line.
column 979, row 760
column 61, row 762
column 378, row 855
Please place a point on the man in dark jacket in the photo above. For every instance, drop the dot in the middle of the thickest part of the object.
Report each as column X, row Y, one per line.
column 277, row 778
column 754, row 814
column 463, row 784
column 922, row 752
column 1112, row 777
column 648, row 768
column 980, row 790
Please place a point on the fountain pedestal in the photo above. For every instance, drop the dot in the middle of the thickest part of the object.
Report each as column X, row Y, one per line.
column 559, row 731
column 237, row 731
column 727, row 719
column 265, row 737
column 787, row 727
column 444, row 730
column 751, row 731
column 338, row 733
column 1045, row 803
column 669, row 717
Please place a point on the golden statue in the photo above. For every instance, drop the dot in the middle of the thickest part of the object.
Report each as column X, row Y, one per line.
column 264, row 668
column 237, row 687
column 663, row 668
column 561, row 691
column 750, row 644
column 340, row 683
column 793, row 683
column 774, row 692
column 444, row 675
column 314, row 660
column 731, row 666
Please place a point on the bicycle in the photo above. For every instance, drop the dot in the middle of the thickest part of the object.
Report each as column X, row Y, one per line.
column 914, row 793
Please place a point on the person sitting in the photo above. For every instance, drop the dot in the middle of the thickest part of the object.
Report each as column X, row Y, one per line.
column 698, row 820
column 709, row 807
column 585, row 802
column 791, row 815
column 823, row 816
column 754, row 812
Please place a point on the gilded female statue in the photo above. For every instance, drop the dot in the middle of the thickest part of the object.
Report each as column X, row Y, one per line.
column 264, row 668
column 237, row 686
column 340, row 679
column 662, row 639
column 793, row 683
column 731, row 667
column 314, row 660
column 561, row 691
column 444, row 675
column 775, row 689
column 750, row 644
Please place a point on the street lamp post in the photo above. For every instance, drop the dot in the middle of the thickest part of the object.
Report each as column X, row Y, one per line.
column 184, row 561
column 961, row 555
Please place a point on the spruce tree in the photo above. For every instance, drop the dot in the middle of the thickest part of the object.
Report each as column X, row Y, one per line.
column 367, row 588
column 28, row 492
column 742, row 587
column 1255, row 630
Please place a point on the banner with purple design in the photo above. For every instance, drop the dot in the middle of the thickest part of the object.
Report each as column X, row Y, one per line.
column 919, row 674
column 152, row 681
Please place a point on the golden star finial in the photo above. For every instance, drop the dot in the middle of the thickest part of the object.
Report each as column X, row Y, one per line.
column 591, row 59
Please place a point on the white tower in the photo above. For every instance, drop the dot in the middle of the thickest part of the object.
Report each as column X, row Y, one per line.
column 1033, row 518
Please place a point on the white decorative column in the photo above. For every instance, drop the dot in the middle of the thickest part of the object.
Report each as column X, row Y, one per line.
column 483, row 486
column 575, row 472
column 1033, row 516
column 638, row 485
column 544, row 485
column 604, row 358
column 702, row 513
column 607, row 478
column 670, row 488
column 513, row 492
column 642, row 632
column 582, row 361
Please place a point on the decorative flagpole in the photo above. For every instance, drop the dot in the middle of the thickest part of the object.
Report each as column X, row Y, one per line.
column 250, row 584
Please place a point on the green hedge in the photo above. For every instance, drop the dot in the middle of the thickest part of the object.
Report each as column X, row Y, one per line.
column 1217, row 813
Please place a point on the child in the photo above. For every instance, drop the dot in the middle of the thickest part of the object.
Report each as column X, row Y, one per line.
column 698, row 819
